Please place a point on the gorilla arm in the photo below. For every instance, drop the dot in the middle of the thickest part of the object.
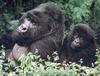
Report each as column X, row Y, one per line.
column 87, row 56
column 17, row 52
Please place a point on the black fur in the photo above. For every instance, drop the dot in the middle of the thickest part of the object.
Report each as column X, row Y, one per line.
column 45, row 34
column 6, row 40
column 86, row 51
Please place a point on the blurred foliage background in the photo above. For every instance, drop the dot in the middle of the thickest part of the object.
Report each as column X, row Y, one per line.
column 85, row 11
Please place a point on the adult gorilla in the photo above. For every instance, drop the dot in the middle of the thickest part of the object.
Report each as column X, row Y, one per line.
column 40, row 29
column 80, row 44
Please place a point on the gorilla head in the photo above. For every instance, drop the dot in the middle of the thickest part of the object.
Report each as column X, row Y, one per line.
column 81, row 36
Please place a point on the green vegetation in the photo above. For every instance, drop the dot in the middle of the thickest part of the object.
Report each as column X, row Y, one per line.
column 32, row 65
column 86, row 11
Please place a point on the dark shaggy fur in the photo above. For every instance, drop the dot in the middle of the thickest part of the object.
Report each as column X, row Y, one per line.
column 6, row 40
column 40, row 29
column 85, row 49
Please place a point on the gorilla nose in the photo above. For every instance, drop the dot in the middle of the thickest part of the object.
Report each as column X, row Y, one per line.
column 77, row 42
column 22, row 29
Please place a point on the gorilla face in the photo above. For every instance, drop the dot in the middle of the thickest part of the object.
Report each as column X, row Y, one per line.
column 34, row 26
column 81, row 38
column 24, row 29
column 76, row 42
column 25, row 26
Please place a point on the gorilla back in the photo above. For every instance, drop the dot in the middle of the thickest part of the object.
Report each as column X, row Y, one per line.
column 40, row 29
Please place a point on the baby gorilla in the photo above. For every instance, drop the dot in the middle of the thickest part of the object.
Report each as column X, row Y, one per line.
column 80, row 44
column 40, row 29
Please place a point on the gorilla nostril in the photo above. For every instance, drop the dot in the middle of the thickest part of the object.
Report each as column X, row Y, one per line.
column 24, row 29
column 21, row 30
column 77, row 42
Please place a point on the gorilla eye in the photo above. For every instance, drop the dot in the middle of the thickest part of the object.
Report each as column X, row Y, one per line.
column 37, row 13
column 34, row 23
column 76, row 36
column 28, row 19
